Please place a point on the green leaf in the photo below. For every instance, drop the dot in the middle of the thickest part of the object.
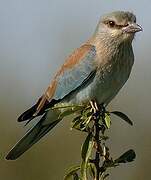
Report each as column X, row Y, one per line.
column 76, row 119
column 84, row 170
column 72, row 172
column 88, row 121
column 77, row 124
column 107, row 120
column 81, row 123
column 104, row 137
column 105, row 176
column 68, row 110
column 86, row 153
column 87, row 113
column 66, row 106
column 92, row 170
column 65, row 113
column 87, row 147
column 128, row 156
column 122, row 116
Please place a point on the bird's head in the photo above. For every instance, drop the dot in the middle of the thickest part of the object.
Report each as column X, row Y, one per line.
column 119, row 26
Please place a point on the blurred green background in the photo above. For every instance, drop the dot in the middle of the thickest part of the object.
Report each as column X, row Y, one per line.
column 35, row 38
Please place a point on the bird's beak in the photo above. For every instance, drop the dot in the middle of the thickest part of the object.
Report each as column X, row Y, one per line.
column 132, row 28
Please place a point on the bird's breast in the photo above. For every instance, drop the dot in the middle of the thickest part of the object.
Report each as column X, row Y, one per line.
column 111, row 78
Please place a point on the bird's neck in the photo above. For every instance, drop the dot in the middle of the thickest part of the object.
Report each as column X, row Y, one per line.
column 108, row 49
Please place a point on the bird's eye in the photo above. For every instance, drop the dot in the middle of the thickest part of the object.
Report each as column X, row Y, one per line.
column 125, row 25
column 111, row 23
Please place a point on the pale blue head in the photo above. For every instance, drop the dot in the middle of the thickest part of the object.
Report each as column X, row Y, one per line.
column 118, row 25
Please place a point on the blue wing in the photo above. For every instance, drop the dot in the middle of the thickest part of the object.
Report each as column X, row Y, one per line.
column 72, row 78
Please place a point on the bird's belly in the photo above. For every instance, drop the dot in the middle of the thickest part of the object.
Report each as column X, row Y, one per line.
column 104, row 91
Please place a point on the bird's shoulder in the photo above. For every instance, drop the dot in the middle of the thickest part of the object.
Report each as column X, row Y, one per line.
column 77, row 56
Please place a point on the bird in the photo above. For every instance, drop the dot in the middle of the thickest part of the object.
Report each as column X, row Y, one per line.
column 97, row 70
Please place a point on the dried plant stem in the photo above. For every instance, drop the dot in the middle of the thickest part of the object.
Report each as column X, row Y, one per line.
column 99, row 113
column 97, row 131
column 97, row 154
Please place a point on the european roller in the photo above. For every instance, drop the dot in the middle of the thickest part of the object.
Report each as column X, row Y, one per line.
column 95, row 71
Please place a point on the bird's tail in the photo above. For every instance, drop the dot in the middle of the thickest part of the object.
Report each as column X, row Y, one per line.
column 34, row 135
